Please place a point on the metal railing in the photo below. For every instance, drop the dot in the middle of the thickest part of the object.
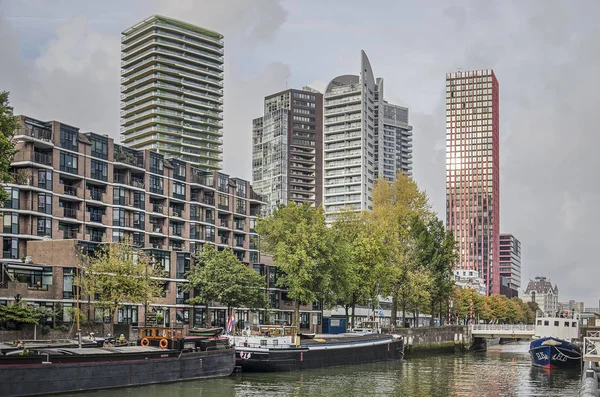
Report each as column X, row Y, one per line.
column 591, row 349
column 503, row 327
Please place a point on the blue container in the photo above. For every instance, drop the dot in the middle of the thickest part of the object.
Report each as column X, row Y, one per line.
column 334, row 325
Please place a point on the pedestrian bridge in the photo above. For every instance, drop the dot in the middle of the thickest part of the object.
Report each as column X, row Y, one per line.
column 517, row 331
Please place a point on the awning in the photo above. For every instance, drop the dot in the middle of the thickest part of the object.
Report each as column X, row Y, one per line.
column 24, row 267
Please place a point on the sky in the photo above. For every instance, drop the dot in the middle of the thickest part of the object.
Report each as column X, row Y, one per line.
column 60, row 60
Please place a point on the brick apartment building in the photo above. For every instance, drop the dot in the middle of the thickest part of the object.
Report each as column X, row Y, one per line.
column 79, row 190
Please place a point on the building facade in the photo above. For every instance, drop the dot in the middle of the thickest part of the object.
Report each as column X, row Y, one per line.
column 172, row 90
column 84, row 188
column 287, row 149
column 541, row 291
column 364, row 138
column 469, row 279
column 510, row 261
column 571, row 307
column 473, row 171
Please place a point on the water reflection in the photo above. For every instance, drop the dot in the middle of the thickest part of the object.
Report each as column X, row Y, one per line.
column 502, row 371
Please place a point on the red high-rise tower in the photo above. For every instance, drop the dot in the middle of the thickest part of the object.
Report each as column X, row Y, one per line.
column 473, row 171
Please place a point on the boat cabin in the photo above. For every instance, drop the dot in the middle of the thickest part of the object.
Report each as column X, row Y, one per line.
column 159, row 333
column 566, row 328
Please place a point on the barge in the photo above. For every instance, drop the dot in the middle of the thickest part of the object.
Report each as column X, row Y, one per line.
column 160, row 356
column 280, row 349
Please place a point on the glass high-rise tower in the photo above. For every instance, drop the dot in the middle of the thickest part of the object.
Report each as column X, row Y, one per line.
column 172, row 90
column 473, row 171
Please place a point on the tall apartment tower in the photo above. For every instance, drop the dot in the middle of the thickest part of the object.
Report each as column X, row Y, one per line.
column 473, row 171
column 172, row 90
column 287, row 147
column 510, row 261
column 364, row 138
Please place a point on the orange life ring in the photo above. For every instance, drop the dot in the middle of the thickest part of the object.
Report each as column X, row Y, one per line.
column 163, row 343
column 145, row 342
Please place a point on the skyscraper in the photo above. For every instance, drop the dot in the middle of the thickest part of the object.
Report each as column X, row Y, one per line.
column 510, row 261
column 172, row 90
column 364, row 138
column 287, row 148
column 473, row 171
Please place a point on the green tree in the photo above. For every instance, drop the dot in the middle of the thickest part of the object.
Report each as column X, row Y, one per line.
column 219, row 276
column 303, row 248
column 395, row 206
column 360, row 261
column 8, row 125
column 119, row 273
column 499, row 306
column 20, row 313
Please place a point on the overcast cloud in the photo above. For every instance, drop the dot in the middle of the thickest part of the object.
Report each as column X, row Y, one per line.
column 60, row 60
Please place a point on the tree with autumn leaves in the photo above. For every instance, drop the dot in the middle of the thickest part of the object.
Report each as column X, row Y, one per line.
column 494, row 307
column 400, row 249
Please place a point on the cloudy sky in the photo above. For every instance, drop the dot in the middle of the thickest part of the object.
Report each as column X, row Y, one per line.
column 60, row 60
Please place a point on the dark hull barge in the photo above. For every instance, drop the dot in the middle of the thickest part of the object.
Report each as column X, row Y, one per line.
column 58, row 370
column 319, row 353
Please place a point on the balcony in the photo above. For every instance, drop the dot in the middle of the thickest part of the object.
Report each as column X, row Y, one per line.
column 208, row 200
column 70, row 190
column 36, row 132
column 96, row 217
column 69, row 234
column 157, row 228
column 128, row 158
column 177, row 212
column 120, row 178
column 70, row 213
column 224, row 240
column 157, row 209
column 137, row 182
column 96, row 195
column 41, row 158
column 223, row 223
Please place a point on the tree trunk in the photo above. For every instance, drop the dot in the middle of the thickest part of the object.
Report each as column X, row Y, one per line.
column 207, row 317
column 353, row 308
column 403, row 313
column 440, row 312
column 394, row 311
column 347, row 308
column 431, row 320
column 297, row 317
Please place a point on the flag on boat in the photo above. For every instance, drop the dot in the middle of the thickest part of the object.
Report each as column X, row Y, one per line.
column 230, row 324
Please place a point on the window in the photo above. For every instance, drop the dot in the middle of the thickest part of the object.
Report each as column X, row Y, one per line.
column 179, row 190
column 304, row 320
column 182, row 294
column 156, row 163
column 45, row 203
column 118, row 236
column 182, row 316
column 240, row 206
column 240, row 190
column 139, row 200
column 210, row 233
column 45, row 179
column 44, row 227
column 183, row 265
column 68, row 162
column 223, row 202
column 252, row 225
column 36, row 278
column 69, row 290
column 178, row 170
column 11, row 248
column 156, row 184
column 118, row 195
column 96, row 213
column 566, row 323
column 13, row 198
column 162, row 258
column 11, row 223
column 118, row 217
column 138, row 220
column 223, row 181
column 99, row 170
column 128, row 315
column 68, row 138
column 99, row 147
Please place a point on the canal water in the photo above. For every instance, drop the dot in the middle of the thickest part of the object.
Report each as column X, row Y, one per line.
column 501, row 371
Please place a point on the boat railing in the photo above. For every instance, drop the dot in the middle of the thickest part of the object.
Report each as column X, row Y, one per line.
column 503, row 327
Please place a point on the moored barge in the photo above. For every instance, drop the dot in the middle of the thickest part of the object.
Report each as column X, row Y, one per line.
column 275, row 350
column 42, row 371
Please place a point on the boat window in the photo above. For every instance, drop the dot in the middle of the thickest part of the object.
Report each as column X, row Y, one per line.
column 275, row 342
column 556, row 323
column 574, row 324
column 539, row 322
column 263, row 342
column 546, row 323
column 566, row 323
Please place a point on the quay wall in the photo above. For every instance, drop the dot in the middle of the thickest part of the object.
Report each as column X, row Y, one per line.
column 435, row 339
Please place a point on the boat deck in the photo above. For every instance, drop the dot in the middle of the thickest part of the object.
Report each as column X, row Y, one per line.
column 103, row 350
